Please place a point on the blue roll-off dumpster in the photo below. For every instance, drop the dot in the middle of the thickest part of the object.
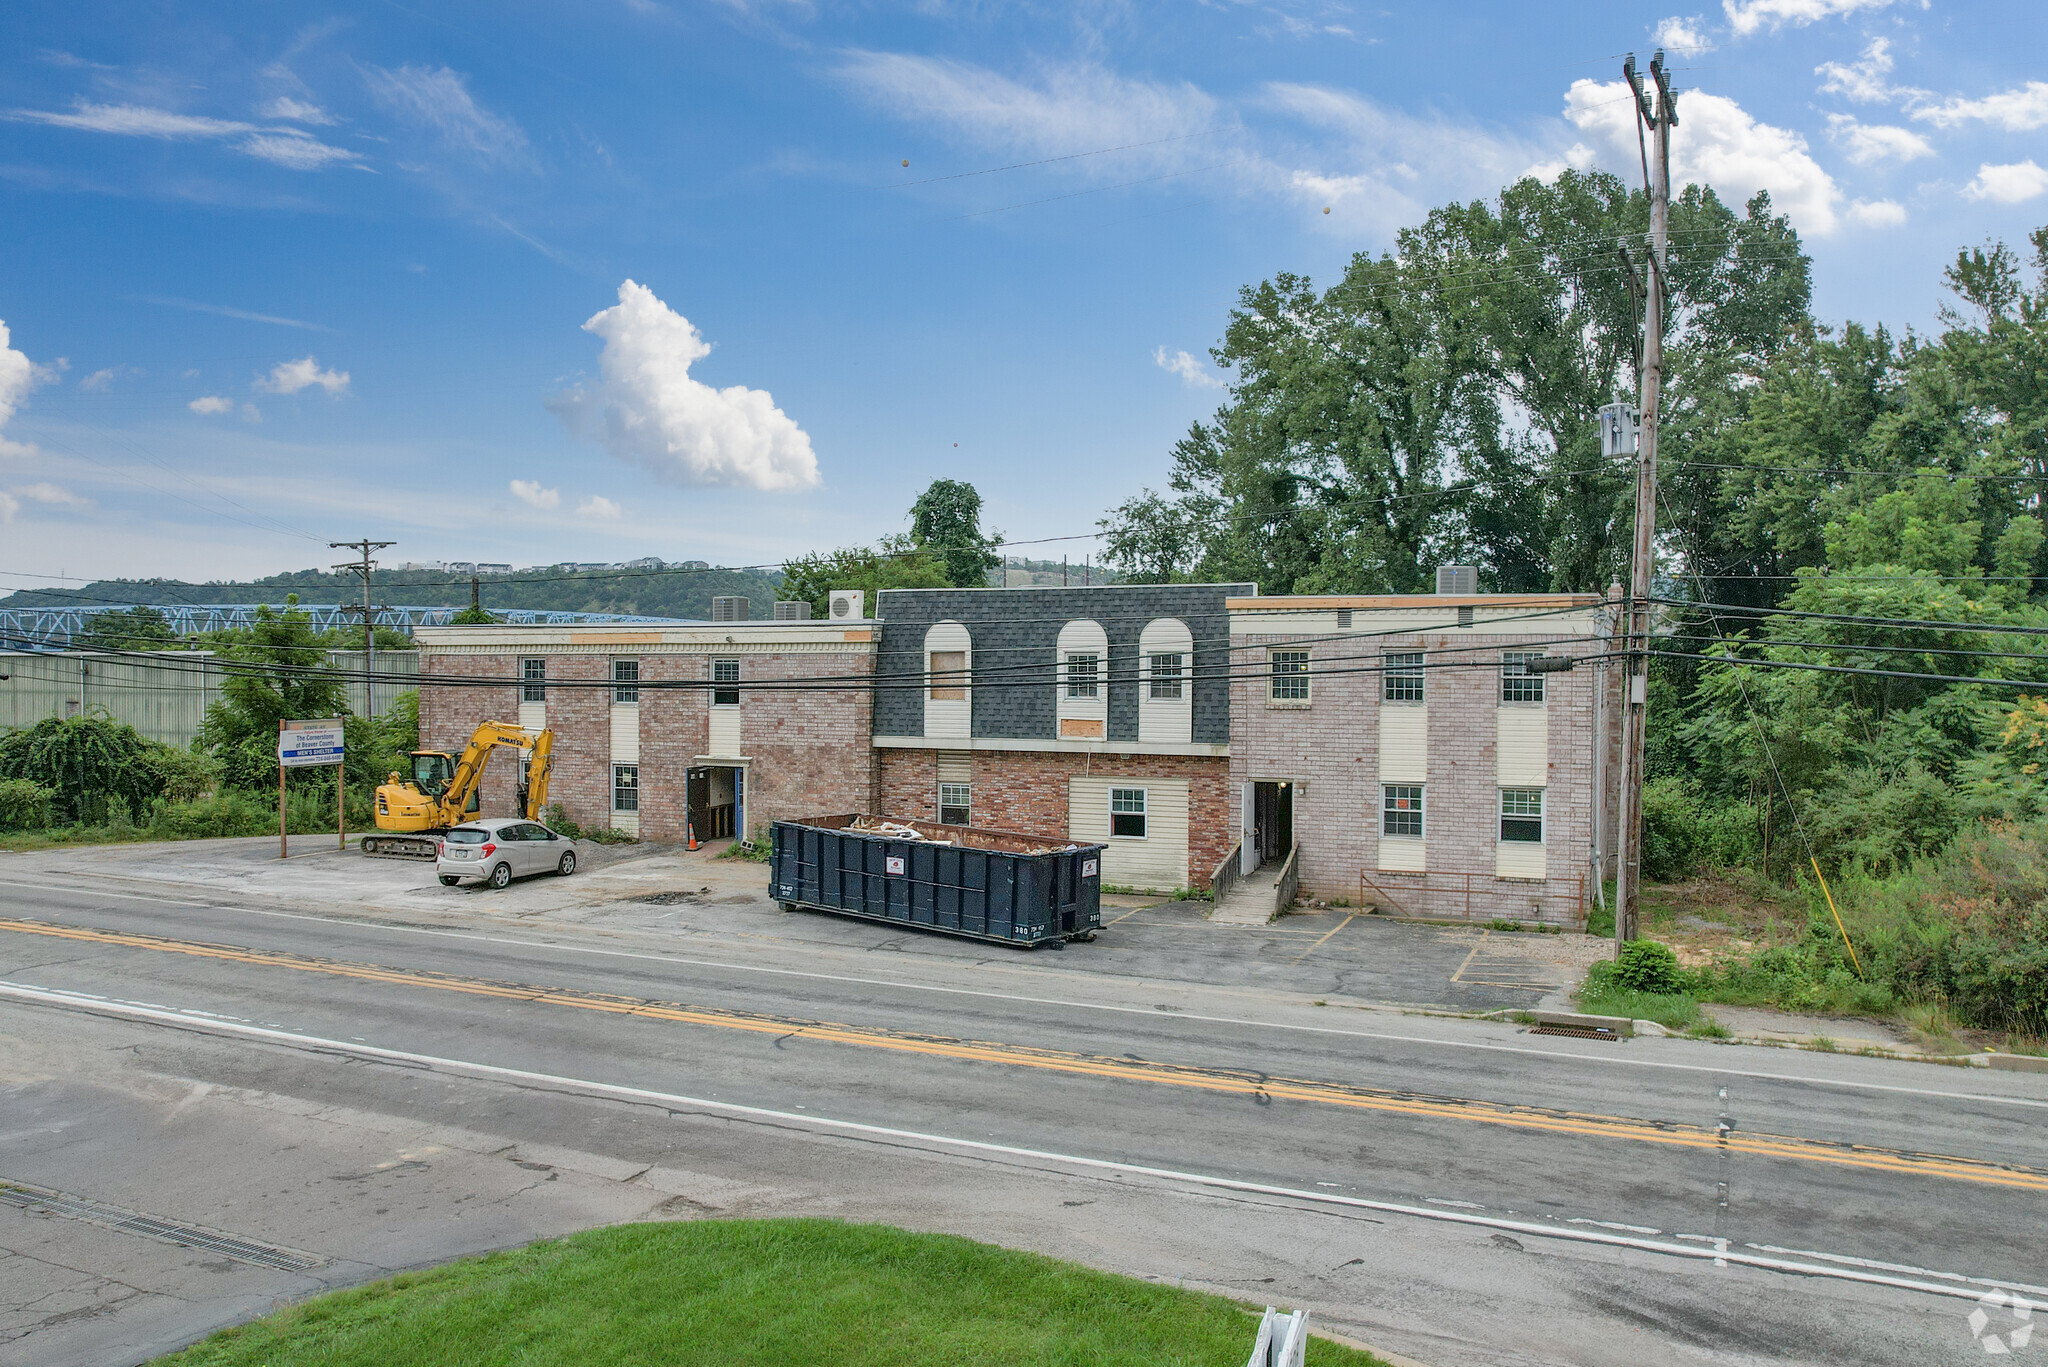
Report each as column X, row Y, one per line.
column 958, row 880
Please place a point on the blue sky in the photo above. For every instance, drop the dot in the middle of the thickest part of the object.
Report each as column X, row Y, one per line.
column 279, row 274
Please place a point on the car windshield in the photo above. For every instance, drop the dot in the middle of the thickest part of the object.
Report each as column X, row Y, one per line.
column 467, row 835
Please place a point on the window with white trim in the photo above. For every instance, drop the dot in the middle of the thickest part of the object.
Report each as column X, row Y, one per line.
column 625, row 787
column 1127, row 813
column 725, row 672
column 626, row 681
column 533, row 685
column 1517, row 684
column 1290, row 675
column 1168, row 671
column 1084, row 673
column 1402, row 681
column 954, row 807
column 1401, row 809
column 1521, row 815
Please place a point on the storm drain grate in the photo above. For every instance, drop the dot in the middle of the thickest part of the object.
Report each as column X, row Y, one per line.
column 43, row 1201
column 1575, row 1031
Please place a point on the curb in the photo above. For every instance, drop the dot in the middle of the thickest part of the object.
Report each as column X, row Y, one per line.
column 2016, row 1063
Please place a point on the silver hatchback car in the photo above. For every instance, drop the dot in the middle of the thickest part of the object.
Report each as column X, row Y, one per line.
column 498, row 849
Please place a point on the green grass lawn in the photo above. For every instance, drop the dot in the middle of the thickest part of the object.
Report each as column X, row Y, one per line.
column 781, row 1292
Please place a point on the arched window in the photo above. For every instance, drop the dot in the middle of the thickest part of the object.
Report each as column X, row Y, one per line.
column 1082, row 681
column 949, row 668
column 1166, row 682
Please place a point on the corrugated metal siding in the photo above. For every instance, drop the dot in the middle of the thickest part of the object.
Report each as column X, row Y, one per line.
column 955, row 766
column 625, row 733
column 397, row 672
column 1518, row 859
column 724, row 739
column 164, row 702
column 1522, row 748
column 1160, row 860
column 1404, row 745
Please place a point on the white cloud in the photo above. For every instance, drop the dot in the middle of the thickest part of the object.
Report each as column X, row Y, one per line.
column 597, row 505
column 682, row 429
column 296, row 111
column 98, row 380
column 1867, row 144
column 53, row 494
column 1723, row 146
column 1685, row 37
column 18, row 375
column 529, row 491
column 1877, row 213
column 9, row 506
column 1577, row 157
column 440, row 100
column 250, row 413
column 1187, row 367
column 292, row 148
column 1747, row 16
column 210, row 404
column 1862, row 81
column 2013, row 184
column 289, row 377
column 2017, row 111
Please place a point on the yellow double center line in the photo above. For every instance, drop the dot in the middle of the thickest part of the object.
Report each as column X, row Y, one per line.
column 1225, row 1080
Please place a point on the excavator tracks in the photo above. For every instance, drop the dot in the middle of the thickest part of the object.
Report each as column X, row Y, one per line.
column 400, row 846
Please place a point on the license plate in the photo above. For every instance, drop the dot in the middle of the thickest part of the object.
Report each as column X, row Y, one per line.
column 459, row 853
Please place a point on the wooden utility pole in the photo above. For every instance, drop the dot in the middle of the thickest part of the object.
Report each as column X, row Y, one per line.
column 363, row 567
column 1657, row 111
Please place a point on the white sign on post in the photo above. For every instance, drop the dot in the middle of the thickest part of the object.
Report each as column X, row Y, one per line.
column 303, row 743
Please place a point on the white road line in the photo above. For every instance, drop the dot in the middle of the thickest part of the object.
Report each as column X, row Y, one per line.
column 1147, row 1012
column 1837, row 1269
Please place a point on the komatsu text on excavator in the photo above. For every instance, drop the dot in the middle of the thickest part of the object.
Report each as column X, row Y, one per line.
column 444, row 789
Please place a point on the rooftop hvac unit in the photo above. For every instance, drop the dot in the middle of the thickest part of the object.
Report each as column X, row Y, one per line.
column 728, row 609
column 848, row 604
column 1458, row 579
column 792, row 610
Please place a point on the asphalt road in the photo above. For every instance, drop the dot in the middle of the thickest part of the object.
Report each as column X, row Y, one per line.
column 1455, row 1191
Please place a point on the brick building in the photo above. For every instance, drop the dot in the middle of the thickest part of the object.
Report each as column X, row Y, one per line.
column 730, row 725
column 1098, row 713
column 1408, row 750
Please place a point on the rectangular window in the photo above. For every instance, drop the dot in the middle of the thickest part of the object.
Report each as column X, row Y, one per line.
column 1401, row 809
column 1290, row 675
column 625, row 787
column 533, row 681
column 1166, row 677
column 949, row 676
column 1517, row 684
column 725, row 672
column 1127, row 812
column 1521, row 815
column 625, row 681
column 953, row 804
column 1082, row 673
column 1403, row 679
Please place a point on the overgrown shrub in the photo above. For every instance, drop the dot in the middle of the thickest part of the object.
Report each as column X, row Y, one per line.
column 1684, row 832
column 24, row 804
column 556, row 818
column 610, row 835
column 1647, row 966
column 86, row 761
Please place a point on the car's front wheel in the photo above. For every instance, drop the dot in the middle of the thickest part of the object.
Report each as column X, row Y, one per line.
column 501, row 876
column 567, row 865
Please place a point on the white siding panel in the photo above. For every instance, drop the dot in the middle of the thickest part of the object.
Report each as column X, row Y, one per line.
column 625, row 733
column 1523, row 746
column 949, row 718
column 1158, row 862
column 1167, row 721
column 1404, row 746
column 1402, row 854
column 629, row 822
column 1518, row 859
column 725, row 732
column 533, row 716
column 955, row 766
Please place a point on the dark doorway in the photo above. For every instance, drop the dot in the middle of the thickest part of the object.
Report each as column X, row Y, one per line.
column 715, row 800
column 1273, row 819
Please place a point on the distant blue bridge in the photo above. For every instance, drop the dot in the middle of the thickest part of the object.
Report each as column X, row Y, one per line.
column 32, row 628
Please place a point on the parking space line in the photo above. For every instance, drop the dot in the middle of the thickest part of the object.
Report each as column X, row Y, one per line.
column 1320, row 943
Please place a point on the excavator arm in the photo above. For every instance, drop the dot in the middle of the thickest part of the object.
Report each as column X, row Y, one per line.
column 408, row 814
column 469, row 770
column 540, row 767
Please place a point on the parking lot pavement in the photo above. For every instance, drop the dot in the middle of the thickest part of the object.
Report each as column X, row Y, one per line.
column 659, row 896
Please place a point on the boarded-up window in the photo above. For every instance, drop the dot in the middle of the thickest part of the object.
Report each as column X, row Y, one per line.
column 949, row 675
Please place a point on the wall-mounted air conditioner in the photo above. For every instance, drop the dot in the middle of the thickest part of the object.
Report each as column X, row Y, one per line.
column 848, row 604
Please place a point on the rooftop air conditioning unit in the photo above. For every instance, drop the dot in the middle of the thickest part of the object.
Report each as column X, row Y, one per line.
column 848, row 604
column 792, row 610
column 728, row 609
column 1457, row 579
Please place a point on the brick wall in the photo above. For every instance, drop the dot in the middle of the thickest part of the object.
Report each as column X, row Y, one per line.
column 1026, row 791
column 450, row 714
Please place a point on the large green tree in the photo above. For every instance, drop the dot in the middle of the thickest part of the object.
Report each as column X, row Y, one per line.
column 945, row 522
column 280, row 673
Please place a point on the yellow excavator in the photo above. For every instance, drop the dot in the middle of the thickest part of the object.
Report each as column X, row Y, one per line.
column 444, row 790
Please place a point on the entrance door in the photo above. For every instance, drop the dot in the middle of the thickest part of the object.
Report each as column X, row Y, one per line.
column 1273, row 819
column 714, row 796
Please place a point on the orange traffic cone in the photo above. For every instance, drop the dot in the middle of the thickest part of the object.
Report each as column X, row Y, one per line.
column 690, row 829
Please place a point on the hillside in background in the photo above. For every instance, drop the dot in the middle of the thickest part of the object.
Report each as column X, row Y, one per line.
column 1020, row 572
column 669, row 591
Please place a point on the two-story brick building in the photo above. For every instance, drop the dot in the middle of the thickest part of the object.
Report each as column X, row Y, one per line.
column 727, row 726
column 1098, row 713
column 1406, row 745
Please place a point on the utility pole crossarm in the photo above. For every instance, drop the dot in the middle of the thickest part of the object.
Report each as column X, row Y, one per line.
column 363, row 568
